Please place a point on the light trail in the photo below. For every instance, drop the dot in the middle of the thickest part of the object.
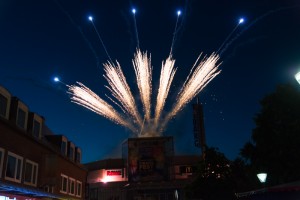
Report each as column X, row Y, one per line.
column 143, row 72
column 166, row 77
column 83, row 96
column 203, row 71
column 121, row 90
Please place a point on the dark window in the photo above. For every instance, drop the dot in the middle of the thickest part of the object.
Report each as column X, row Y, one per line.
column 1, row 160
column 3, row 105
column 21, row 118
column 71, row 153
column 36, row 128
column 63, row 147
column 13, row 168
column 78, row 156
column 30, row 173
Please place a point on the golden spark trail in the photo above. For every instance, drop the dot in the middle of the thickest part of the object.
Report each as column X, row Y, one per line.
column 143, row 72
column 206, row 70
column 121, row 91
column 83, row 96
column 166, row 77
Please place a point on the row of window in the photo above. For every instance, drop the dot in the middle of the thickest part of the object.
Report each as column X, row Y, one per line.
column 21, row 113
column 70, row 186
column 14, row 169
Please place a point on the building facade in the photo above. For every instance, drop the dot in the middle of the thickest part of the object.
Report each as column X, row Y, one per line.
column 148, row 170
column 35, row 163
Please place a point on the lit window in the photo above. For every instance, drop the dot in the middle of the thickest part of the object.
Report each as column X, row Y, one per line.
column 64, row 184
column 1, row 160
column 3, row 106
column 71, row 186
column 14, row 167
column 36, row 128
column 78, row 188
column 21, row 118
column 31, row 173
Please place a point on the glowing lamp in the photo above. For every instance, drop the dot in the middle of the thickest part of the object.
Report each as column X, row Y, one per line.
column 91, row 18
column 133, row 11
column 262, row 177
column 297, row 77
column 178, row 12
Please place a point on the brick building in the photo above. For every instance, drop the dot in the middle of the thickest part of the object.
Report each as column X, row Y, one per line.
column 35, row 163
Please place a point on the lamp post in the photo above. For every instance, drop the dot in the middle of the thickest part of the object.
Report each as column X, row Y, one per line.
column 297, row 77
column 262, row 177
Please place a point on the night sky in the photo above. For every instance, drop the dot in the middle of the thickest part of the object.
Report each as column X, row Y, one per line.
column 43, row 39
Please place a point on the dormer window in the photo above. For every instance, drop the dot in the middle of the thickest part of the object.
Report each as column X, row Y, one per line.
column 4, row 102
column 22, row 115
column 63, row 146
column 21, row 118
column 71, row 151
column 78, row 155
column 36, row 131
column 35, row 125
column 3, row 106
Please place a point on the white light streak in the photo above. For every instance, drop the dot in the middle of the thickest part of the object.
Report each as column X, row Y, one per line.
column 205, row 70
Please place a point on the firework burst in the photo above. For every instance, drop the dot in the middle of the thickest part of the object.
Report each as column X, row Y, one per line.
column 145, row 125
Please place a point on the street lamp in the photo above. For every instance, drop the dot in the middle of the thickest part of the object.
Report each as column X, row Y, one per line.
column 263, row 176
column 297, row 77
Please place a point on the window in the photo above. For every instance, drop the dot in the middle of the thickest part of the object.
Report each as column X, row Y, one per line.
column 71, row 151
column 14, row 167
column 71, row 186
column 21, row 118
column 48, row 188
column 36, row 128
column 1, row 160
column 64, row 147
column 78, row 156
column 3, row 106
column 78, row 188
column 31, row 173
column 64, row 184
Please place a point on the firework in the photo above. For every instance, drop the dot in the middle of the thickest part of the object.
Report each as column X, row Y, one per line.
column 203, row 71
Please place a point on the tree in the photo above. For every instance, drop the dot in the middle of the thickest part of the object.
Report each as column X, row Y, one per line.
column 214, row 178
column 275, row 148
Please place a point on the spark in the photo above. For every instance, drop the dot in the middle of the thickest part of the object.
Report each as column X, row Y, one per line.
column 135, row 28
column 203, row 71
column 166, row 77
column 83, row 96
column 241, row 20
column 121, row 90
column 56, row 79
column 175, row 31
column 91, row 19
column 143, row 72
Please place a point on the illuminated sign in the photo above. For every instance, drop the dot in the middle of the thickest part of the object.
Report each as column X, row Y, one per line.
column 114, row 173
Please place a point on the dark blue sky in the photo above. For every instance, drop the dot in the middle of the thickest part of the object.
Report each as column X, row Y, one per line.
column 41, row 39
